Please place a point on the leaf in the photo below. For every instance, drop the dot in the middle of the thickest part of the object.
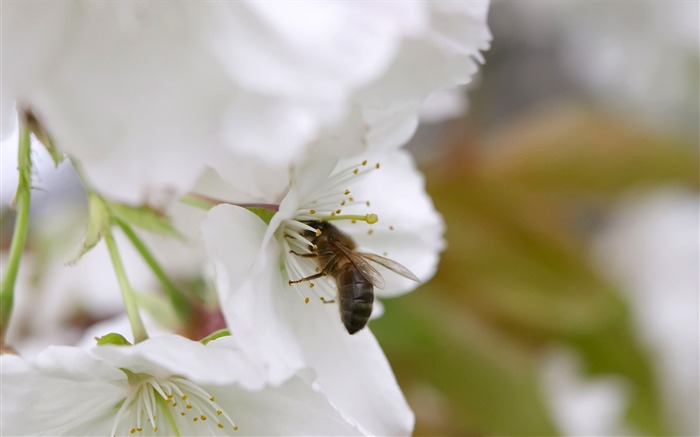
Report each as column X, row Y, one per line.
column 214, row 335
column 143, row 217
column 264, row 213
column 112, row 339
column 43, row 136
column 98, row 223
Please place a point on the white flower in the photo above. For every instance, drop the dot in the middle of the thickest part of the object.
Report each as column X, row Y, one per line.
column 581, row 405
column 166, row 385
column 285, row 327
column 157, row 91
column 650, row 247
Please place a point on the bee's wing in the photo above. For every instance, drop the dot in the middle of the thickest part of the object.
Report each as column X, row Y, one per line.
column 358, row 260
column 391, row 265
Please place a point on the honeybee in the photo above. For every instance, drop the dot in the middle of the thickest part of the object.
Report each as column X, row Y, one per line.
column 355, row 278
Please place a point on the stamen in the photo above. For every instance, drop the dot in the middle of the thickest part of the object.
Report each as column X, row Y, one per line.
column 369, row 218
column 148, row 395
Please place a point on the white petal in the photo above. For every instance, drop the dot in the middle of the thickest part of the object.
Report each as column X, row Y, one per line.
column 409, row 230
column 325, row 48
column 295, row 407
column 64, row 391
column 166, row 355
column 248, row 280
column 353, row 371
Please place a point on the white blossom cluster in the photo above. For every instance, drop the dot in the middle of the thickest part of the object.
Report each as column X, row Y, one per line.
column 289, row 114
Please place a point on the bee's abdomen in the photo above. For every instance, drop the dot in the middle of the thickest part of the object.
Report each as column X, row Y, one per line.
column 355, row 296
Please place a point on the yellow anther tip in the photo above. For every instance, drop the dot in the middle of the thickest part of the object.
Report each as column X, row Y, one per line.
column 306, row 300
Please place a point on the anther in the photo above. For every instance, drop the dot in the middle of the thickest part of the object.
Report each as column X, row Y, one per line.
column 235, row 428
column 318, row 232
column 391, row 228
column 155, row 428
column 347, row 192
column 342, row 203
column 195, row 419
column 355, row 171
column 188, row 406
column 352, row 199
column 367, row 203
column 218, row 412
column 184, row 397
column 338, row 211
column 132, row 430
column 306, row 300
column 311, row 285
column 312, row 211
column 370, row 231
column 211, row 398
column 219, row 425
column 182, row 414
column 139, row 429
column 377, row 166
column 364, row 162
column 203, row 417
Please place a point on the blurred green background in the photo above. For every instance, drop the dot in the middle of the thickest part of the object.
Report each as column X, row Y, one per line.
column 526, row 183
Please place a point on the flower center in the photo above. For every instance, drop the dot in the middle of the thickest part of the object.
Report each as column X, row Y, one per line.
column 172, row 405
column 327, row 203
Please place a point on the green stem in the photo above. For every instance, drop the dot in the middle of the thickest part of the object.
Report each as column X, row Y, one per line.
column 22, row 199
column 132, row 310
column 177, row 298
column 171, row 419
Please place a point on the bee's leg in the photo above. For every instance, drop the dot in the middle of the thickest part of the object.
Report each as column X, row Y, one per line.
column 323, row 299
column 308, row 278
column 327, row 268
column 304, row 255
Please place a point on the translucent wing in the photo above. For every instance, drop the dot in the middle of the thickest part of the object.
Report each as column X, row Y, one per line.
column 391, row 265
column 358, row 260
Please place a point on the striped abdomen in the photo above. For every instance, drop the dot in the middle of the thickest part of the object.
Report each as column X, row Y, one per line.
column 355, row 296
